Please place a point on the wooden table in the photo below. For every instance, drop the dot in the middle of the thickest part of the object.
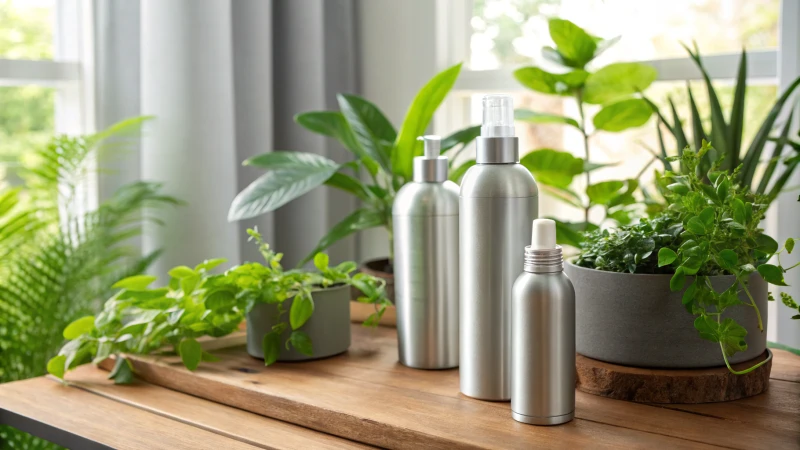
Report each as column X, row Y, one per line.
column 366, row 396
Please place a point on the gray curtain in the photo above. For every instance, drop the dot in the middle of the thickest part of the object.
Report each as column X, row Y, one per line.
column 224, row 79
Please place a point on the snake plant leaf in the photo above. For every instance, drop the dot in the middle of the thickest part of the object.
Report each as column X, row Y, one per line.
column 372, row 129
column 780, row 143
column 677, row 128
column 616, row 81
column 458, row 173
column 719, row 129
column 553, row 167
column 575, row 44
column 736, row 120
column 417, row 119
column 624, row 114
column 461, row 137
column 525, row 115
column 551, row 83
column 280, row 186
column 360, row 219
column 697, row 125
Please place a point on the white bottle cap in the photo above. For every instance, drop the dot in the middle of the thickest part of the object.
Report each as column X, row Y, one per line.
column 543, row 236
column 498, row 116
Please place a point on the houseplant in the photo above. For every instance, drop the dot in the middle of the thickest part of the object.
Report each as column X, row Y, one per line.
column 139, row 319
column 616, row 88
column 58, row 260
column 384, row 154
column 727, row 135
column 704, row 256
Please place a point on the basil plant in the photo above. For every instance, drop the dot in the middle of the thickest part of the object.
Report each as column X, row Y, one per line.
column 383, row 156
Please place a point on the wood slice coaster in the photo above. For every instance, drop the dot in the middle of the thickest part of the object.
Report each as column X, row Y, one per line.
column 636, row 384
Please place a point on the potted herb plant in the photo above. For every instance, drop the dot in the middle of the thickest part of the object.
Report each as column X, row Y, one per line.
column 687, row 288
column 383, row 157
column 292, row 315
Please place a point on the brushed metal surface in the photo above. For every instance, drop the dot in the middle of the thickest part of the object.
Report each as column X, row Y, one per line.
column 497, row 207
column 430, row 170
column 426, row 274
column 497, row 150
column 543, row 349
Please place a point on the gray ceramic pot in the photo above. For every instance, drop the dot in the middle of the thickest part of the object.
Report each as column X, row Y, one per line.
column 635, row 320
column 328, row 327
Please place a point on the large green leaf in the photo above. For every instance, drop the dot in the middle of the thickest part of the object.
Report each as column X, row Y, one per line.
column 619, row 116
column 278, row 187
column 550, row 83
column 571, row 233
column 460, row 137
column 604, row 192
column 525, row 115
column 616, row 81
column 575, row 45
column 458, row 173
column 360, row 219
column 418, row 117
column 372, row 129
column 553, row 167
column 349, row 184
column 333, row 124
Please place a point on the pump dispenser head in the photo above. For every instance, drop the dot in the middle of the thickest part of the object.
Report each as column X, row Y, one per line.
column 431, row 167
column 543, row 255
column 497, row 143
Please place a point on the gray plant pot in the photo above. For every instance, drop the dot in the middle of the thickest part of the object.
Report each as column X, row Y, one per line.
column 328, row 327
column 635, row 320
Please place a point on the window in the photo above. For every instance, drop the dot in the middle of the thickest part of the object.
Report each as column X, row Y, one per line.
column 44, row 75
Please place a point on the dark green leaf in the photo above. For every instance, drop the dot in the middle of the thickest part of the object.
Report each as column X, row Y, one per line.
column 708, row 328
column 677, row 280
column 571, row 233
column 616, row 81
column 191, row 353
column 666, row 256
column 550, row 83
column 349, row 184
column 623, row 115
column 79, row 327
column 525, row 115
column 789, row 245
column 301, row 311
column 697, row 125
column 696, row 226
column 780, row 143
column 360, row 219
column 122, row 372
column 371, row 128
column 766, row 244
column 576, row 45
column 460, row 137
column 271, row 346
column 552, row 167
column 707, row 216
column 772, row 274
column 732, row 336
column 602, row 193
column 728, row 259
column 301, row 342
column 678, row 188
column 736, row 121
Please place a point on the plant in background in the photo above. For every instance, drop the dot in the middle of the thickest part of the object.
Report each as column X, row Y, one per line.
column 139, row 319
column 57, row 263
column 707, row 229
column 726, row 135
column 384, row 154
column 616, row 88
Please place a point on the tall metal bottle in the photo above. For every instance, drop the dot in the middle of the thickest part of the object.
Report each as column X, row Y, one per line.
column 425, row 217
column 543, row 334
column 498, row 202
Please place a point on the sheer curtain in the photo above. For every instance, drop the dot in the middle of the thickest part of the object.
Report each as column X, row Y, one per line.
column 223, row 79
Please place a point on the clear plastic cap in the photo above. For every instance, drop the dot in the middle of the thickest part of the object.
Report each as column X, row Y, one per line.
column 498, row 116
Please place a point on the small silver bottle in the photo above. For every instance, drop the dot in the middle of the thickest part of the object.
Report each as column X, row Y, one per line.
column 543, row 334
column 499, row 199
column 425, row 217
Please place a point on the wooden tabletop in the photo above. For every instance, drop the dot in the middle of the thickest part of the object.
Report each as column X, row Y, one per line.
column 367, row 397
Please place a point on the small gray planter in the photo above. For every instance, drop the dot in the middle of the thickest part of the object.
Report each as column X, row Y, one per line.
column 328, row 327
column 635, row 320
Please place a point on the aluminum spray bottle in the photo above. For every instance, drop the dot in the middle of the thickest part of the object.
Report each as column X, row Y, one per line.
column 543, row 334
column 499, row 199
column 425, row 217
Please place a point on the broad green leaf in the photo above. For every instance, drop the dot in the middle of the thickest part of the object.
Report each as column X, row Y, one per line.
column 766, row 244
column 677, row 280
column 57, row 366
column 181, row 272
column 732, row 336
column 360, row 219
column 678, row 188
column 301, row 342
column 278, row 187
column 333, row 124
column 602, row 193
column 135, row 283
column 708, row 328
column 525, row 115
column 460, row 137
column 553, row 167
column 619, row 116
column 208, row 357
column 122, row 372
column 210, row 264
column 418, row 117
column 271, row 346
column 287, row 160
column 688, row 296
column 789, row 245
column 372, row 129
column 321, row 261
column 191, row 353
column 458, row 173
column 301, row 311
column 728, row 259
column 550, row 83
column 79, row 327
column 571, row 233
column 575, row 45
column 772, row 274
column 349, row 184
column 616, row 81
column 707, row 216
column 220, row 300
column 696, row 226
column 666, row 256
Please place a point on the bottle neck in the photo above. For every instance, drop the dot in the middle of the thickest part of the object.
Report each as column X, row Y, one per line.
column 543, row 260
column 497, row 150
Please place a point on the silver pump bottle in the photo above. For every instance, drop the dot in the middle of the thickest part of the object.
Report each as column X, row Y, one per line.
column 543, row 334
column 498, row 201
column 425, row 217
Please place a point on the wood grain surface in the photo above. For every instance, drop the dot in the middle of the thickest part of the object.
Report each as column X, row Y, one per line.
column 365, row 395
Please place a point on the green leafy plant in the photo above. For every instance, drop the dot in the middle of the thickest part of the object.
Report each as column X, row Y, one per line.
column 707, row 229
column 616, row 88
column 139, row 319
column 56, row 262
column 385, row 155
column 726, row 135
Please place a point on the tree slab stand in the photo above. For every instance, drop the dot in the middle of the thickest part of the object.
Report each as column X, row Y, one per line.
column 636, row 384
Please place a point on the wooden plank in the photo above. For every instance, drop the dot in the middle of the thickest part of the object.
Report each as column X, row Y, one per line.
column 785, row 366
column 367, row 396
column 103, row 421
column 233, row 423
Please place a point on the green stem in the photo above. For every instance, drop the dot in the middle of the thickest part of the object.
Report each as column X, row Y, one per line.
column 749, row 369
column 752, row 303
